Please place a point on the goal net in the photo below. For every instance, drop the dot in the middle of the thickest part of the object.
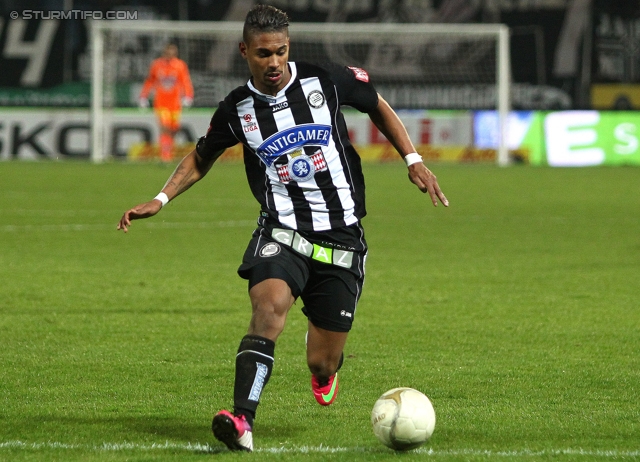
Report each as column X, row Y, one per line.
column 414, row 66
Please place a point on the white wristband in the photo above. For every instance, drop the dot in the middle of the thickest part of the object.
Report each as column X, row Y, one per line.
column 412, row 158
column 162, row 197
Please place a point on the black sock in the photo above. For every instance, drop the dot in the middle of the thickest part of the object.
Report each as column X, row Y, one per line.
column 254, row 363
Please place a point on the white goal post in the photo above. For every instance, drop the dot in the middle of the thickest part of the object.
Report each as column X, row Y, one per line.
column 414, row 66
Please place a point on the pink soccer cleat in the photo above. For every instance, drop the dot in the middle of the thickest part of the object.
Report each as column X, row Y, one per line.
column 325, row 393
column 232, row 430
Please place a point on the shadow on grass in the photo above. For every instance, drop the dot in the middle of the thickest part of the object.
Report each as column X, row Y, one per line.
column 122, row 433
column 117, row 429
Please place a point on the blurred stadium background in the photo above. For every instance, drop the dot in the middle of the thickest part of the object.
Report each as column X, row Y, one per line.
column 566, row 56
column 515, row 309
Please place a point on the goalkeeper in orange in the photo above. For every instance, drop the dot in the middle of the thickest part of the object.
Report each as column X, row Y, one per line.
column 171, row 84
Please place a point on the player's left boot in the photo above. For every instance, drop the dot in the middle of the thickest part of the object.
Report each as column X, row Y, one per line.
column 306, row 337
column 325, row 393
column 233, row 430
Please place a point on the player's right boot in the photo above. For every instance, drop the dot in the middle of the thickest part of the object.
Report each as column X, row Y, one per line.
column 232, row 430
column 325, row 393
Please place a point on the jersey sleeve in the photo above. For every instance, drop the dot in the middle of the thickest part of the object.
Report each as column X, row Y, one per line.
column 354, row 87
column 219, row 136
column 150, row 81
column 185, row 78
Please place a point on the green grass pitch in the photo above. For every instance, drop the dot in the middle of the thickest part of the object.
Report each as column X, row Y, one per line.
column 516, row 310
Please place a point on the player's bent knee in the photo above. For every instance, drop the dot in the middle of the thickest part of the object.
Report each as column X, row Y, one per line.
column 268, row 320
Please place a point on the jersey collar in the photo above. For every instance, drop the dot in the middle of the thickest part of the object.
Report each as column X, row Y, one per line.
column 271, row 98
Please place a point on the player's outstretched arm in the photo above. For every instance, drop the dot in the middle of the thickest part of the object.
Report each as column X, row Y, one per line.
column 190, row 170
column 388, row 122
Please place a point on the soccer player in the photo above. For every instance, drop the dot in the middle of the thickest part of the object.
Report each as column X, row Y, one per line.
column 307, row 178
column 170, row 81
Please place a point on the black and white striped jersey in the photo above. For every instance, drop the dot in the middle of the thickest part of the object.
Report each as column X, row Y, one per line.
column 300, row 164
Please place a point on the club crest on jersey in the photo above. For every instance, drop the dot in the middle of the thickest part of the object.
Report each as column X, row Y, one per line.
column 293, row 138
column 360, row 73
column 301, row 167
column 316, row 99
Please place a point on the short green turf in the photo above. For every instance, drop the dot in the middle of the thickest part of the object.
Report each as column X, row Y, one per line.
column 516, row 310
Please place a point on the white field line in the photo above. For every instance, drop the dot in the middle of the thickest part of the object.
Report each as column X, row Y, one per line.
column 198, row 447
column 145, row 225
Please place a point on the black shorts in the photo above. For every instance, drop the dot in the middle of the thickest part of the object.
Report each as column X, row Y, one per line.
column 324, row 269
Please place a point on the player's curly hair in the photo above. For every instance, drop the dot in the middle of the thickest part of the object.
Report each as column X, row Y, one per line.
column 265, row 18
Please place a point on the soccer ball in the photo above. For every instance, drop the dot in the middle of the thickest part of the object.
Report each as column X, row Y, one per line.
column 403, row 419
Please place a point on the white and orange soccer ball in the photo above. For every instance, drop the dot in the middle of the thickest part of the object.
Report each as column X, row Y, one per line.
column 403, row 419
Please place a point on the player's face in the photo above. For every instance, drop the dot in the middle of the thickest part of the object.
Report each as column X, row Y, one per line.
column 171, row 51
column 267, row 55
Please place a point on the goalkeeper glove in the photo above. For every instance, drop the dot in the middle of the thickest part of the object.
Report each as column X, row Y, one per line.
column 187, row 101
column 143, row 103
